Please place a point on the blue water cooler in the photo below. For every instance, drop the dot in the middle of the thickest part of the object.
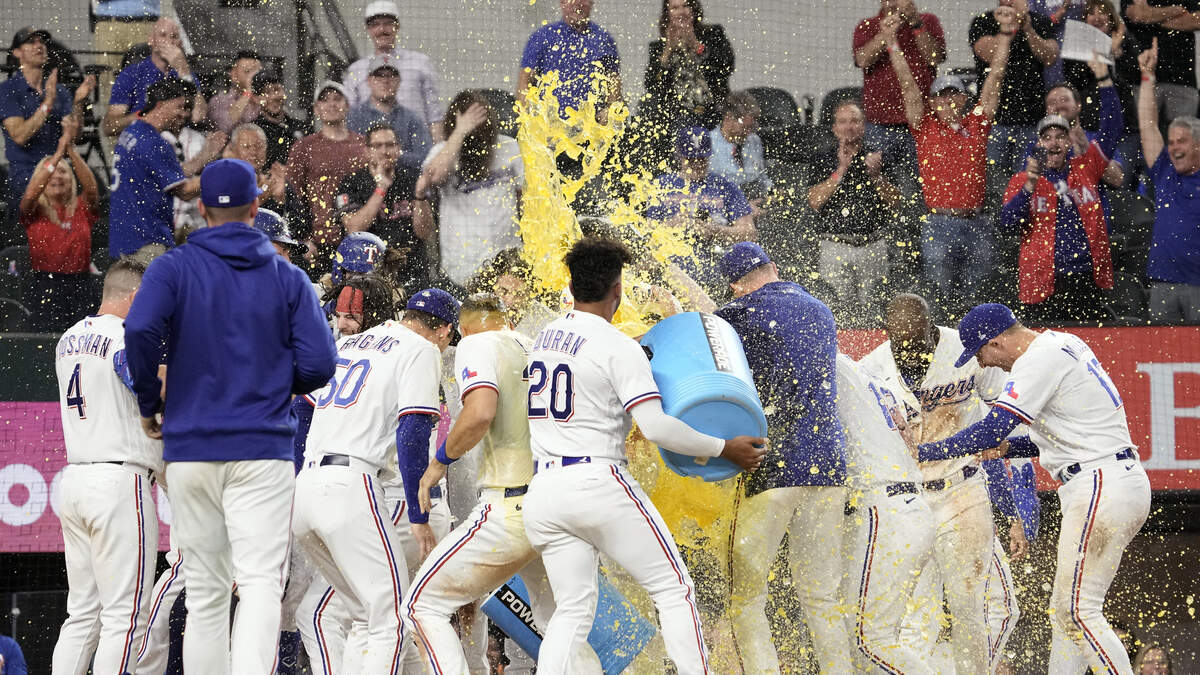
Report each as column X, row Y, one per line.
column 702, row 374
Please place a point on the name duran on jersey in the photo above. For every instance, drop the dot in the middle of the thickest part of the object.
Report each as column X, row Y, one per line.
column 87, row 344
column 557, row 340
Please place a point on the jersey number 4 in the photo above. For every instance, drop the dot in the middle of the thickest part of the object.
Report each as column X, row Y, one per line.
column 75, row 397
column 343, row 390
column 562, row 391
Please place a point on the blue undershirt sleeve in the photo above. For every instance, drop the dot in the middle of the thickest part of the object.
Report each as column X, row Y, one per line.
column 303, row 409
column 987, row 433
column 412, row 450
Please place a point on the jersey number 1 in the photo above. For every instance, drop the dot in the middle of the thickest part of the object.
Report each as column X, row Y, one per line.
column 562, row 391
column 75, row 397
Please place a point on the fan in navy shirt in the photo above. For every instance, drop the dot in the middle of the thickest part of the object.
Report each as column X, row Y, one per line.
column 710, row 208
column 576, row 49
column 131, row 89
column 147, row 174
column 790, row 340
column 32, row 114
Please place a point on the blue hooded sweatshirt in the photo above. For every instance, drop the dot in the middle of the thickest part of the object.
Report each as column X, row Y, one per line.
column 242, row 331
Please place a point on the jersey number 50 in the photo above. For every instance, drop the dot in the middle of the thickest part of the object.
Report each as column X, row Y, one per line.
column 343, row 391
column 562, row 391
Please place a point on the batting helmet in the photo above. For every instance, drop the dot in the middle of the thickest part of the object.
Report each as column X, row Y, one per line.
column 359, row 253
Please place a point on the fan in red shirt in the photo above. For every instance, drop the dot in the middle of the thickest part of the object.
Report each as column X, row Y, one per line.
column 956, row 241
column 58, row 221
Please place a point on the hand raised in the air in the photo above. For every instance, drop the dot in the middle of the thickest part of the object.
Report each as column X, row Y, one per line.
column 745, row 451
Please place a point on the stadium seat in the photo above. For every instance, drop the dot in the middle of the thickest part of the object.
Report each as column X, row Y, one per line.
column 782, row 126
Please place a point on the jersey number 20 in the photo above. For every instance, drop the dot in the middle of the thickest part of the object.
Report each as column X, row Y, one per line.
column 343, row 391
column 562, row 391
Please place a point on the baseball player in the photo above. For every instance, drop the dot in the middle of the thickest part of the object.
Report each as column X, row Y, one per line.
column 790, row 341
column 585, row 381
column 109, row 522
column 888, row 525
column 490, row 545
column 358, row 423
column 917, row 364
column 1077, row 424
column 243, row 332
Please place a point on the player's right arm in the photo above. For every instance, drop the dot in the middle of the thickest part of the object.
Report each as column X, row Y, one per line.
column 146, row 332
column 476, row 371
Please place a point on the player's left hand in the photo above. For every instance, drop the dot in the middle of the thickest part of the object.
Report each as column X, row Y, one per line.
column 423, row 533
column 1018, row 545
column 433, row 475
column 152, row 427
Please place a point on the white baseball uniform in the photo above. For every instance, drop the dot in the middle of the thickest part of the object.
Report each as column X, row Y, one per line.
column 943, row 402
column 490, row 545
column 1077, row 419
column 339, row 515
column 109, row 522
column 888, row 528
column 585, row 378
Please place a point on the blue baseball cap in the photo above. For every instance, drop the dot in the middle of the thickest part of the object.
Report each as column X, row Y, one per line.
column 436, row 302
column 359, row 252
column 227, row 183
column 743, row 257
column 693, row 143
column 274, row 226
column 980, row 326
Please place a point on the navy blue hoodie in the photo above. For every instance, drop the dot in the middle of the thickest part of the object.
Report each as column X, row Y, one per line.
column 243, row 332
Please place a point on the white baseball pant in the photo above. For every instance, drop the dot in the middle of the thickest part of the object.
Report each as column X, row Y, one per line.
column 575, row 513
column 156, row 643
column 333, row 639
column 1102, row 509
column 341, row 522
column 812, row 519
column 1000, row 604
column 962, row 553
column 487, row 549
column 888, row 540
column 232, row 520
column 110, row 537
column 439, row 521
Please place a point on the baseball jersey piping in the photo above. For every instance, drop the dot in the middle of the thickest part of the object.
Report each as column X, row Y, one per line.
column 141, row 571
column 675, row 565
column 373, row 504
column 1077, row 581
column 476, row 385
column 640, row 398
column 1026, row 418
column 158, row 602
column 863, row 588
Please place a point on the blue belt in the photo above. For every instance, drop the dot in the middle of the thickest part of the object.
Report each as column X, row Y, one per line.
column 515, row 492
column 435, row 492
column 943, row 483
column 1074, row 469
column 567, row 461
column 902, row 489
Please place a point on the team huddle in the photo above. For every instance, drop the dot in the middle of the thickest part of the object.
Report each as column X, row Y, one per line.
column 292, row 459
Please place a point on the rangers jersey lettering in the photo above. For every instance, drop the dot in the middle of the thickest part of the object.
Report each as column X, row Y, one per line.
column 945, row 401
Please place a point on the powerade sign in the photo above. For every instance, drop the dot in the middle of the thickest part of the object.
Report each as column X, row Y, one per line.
column 716, row 343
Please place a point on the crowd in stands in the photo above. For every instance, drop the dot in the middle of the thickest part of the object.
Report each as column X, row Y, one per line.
column 1069, row 186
